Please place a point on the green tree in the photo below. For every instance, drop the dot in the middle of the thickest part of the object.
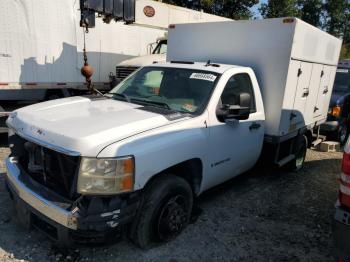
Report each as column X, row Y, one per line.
column 311, row 11
column 336, row 16
column 235, row 9
column 280, row 8
column 345, row 52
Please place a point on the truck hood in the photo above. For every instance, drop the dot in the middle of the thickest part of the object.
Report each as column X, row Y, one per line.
column 81, row 125
column 144, row 60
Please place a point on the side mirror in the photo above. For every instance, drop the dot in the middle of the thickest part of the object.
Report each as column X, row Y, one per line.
column 238, row 112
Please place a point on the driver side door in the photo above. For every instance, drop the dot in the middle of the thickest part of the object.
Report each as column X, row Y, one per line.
column 234, row 145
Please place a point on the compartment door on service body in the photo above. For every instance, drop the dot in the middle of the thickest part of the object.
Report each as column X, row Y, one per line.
column 302, row 93
column 235, row 145
column 323, row 93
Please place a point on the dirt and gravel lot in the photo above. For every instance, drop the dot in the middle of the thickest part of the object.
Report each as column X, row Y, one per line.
column 260, row 216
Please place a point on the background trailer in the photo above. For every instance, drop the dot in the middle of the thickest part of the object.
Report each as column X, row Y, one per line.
column 41, row 44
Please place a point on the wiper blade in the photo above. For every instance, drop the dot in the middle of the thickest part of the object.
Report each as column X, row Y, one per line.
column 122, row 95
column 161, row 104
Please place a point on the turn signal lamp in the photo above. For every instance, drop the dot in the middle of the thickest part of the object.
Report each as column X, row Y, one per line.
column 336, row 111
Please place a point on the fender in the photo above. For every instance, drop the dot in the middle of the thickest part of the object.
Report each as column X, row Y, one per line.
column 157, row 150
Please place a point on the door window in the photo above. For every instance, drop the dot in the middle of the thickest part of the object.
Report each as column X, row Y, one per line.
column 236, row 85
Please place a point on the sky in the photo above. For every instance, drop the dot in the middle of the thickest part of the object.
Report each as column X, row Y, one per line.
column 256, row 7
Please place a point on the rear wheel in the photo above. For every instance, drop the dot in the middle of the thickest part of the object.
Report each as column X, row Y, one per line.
column 165, row 211
column 343, row 134
column 300, row 149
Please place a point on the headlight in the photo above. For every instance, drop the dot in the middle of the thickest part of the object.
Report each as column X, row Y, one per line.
column 106, row 176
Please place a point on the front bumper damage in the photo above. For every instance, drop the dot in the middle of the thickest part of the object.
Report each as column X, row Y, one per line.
column 85, row 220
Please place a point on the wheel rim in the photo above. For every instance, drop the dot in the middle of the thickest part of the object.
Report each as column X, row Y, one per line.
column 172, row 218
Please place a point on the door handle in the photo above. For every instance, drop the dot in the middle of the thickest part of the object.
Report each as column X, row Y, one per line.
column 254, row 126
column 325, row 91
column 306, row 93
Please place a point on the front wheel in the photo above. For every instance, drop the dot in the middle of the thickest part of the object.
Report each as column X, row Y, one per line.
column 165, row 211
column 300, row 149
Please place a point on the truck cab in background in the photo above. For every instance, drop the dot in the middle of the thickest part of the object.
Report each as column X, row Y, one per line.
column 337, row 126
column 127, row 67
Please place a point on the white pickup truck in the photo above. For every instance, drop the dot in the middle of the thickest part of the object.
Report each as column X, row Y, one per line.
column 85, row 169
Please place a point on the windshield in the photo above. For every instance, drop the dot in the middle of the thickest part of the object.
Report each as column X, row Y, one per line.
column 342, row 80
column 161, row 48
column 182, row 90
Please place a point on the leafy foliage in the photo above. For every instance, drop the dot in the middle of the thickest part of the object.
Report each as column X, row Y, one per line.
column 337, row 14
column 279, row 8
column 235, row 9
column 311, row 11
column 345, row 52
column 331, row 15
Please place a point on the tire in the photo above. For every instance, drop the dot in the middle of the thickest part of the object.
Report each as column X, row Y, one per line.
column 164, row 213
column 300, row 153
column 343, row 134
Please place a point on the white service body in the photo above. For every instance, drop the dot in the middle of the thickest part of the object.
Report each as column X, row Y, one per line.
column 276, row 49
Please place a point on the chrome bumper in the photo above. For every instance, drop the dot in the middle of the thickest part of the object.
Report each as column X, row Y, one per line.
column 45, row 207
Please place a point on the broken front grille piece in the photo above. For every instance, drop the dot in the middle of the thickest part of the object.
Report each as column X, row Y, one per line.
column 52, row 169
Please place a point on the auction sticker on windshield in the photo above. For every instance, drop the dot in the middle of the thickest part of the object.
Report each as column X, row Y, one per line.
column 203, row 76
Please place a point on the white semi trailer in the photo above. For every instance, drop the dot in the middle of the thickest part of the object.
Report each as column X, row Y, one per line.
column 41, row 47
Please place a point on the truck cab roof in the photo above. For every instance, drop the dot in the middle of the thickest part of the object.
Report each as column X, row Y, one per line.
column 208, row 66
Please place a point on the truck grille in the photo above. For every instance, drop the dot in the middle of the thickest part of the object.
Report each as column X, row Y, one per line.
column 123, row 72
column 52, row 169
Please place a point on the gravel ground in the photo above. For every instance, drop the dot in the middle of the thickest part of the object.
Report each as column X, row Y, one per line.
column 259, row 216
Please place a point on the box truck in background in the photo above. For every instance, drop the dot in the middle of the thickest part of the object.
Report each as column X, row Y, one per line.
column 158, row 53
column 138, row 155
column 41, row 47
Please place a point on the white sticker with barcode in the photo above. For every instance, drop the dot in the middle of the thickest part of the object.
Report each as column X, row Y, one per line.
column 203, row 76
column 340, row 70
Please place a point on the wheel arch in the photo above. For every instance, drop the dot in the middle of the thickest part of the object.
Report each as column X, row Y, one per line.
column 190, row 170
